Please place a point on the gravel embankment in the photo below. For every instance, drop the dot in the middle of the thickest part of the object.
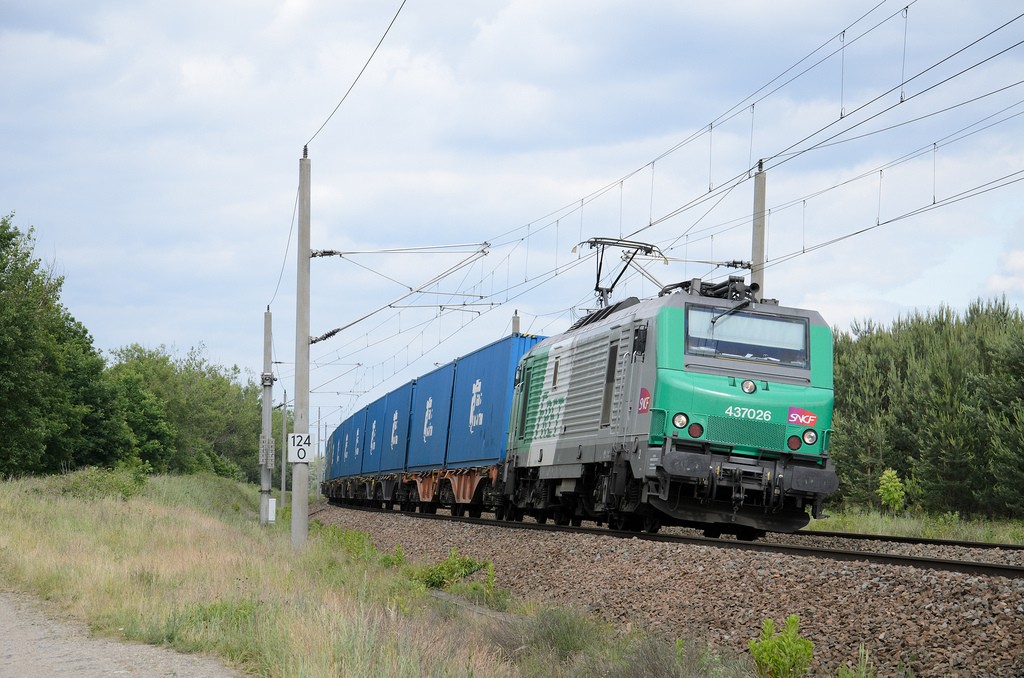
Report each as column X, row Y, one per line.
column 937, row 623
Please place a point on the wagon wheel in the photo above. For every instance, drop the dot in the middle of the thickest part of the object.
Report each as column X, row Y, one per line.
column 562, row 517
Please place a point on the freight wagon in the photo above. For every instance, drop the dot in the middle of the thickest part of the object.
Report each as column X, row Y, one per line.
column 436, row 441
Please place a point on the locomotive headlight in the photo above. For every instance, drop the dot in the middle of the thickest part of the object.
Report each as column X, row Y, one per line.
column 680, row 420
column 748, row 386
column 810, row 436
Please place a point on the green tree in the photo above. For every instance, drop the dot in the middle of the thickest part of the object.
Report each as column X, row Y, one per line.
column 152, row 436
column 931, row 398
column 26, row 295
column 1000, row 404
column 56, row 409
column 210, row 417
column 890, row 489
column 866, row 365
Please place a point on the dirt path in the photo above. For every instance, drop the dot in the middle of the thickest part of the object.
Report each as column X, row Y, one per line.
column 34, row 642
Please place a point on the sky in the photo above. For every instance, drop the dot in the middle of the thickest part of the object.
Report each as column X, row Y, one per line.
column 154, row 149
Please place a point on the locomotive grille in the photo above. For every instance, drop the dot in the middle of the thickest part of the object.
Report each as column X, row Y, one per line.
column 658, row 418
column 757, row 434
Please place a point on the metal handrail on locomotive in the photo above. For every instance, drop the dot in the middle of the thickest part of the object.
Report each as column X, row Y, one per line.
column 703, row 407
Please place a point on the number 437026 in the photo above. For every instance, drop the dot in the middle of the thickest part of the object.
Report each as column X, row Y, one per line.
column 749, row 413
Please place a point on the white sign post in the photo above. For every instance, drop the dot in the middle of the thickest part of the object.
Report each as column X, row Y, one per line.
column 300, row 448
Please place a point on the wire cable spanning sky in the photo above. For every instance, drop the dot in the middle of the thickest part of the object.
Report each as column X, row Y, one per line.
column 154, row 149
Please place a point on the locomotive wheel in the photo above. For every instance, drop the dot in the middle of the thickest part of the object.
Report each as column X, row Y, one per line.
column 651, row 524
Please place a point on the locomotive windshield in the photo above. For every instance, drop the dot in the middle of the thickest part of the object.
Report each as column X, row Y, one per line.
column 746, row 335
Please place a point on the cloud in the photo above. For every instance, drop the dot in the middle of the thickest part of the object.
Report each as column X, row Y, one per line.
column 154, row 146
column 1009, row 279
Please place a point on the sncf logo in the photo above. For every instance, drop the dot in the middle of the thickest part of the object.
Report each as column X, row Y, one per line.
column 802, row 417
column 644, row 405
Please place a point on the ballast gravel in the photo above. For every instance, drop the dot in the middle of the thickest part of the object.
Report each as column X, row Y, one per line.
column 934, row 622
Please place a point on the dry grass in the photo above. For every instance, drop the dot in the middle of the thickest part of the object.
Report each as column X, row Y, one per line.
column 166, row 573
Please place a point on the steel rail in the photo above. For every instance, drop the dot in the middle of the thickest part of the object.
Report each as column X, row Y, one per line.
column 922, row 541
column 965, row 567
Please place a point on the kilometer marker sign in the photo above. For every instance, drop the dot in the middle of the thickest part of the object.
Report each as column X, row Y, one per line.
column 299, row 448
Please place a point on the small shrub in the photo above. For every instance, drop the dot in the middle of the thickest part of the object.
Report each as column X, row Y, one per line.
column 782, row 655
column 124, row 482
column 950, row 519
column 449, row 571
column 397, row 559
column 890, row 489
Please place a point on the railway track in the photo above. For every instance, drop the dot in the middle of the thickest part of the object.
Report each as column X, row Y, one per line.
column 917, row 541
column 922, row 562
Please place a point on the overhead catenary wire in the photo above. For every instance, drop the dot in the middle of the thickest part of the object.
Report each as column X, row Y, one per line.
column 787, row 155
column 359, row 75
column 552, row 219
column 287, row 246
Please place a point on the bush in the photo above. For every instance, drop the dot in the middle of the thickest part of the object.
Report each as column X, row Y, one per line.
column 782, row 655
column 452, row 569
column 123, row 483
column 890, row 489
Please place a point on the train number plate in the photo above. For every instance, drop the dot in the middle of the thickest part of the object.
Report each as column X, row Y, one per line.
column 749, row 413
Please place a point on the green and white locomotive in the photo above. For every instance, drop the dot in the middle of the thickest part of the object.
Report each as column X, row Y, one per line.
column 703, row 407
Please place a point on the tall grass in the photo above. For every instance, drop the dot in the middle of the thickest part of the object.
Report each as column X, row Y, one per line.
column 183, row 562
column 920, row 525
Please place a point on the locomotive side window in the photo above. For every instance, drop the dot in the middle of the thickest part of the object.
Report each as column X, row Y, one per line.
column 609, row 383
column 523, row 406
column 746, row 335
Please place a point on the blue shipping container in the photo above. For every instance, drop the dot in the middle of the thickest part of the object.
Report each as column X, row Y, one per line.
column 374, row 436
column 482, row 402
column 396, row 440
column 329, row 456
column 333, row 458
column 351, row 454
column 431, row 409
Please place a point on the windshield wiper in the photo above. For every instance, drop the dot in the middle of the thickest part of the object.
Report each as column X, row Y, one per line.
column 742, row 304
